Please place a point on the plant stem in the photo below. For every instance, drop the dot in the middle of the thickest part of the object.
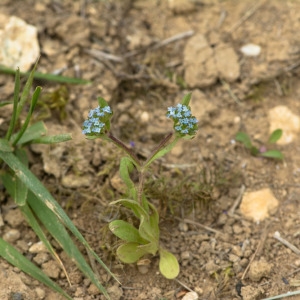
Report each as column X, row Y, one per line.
column 121, row 145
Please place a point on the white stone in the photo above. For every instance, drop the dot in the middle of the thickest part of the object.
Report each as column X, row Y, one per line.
column 251, row 50
column 18, row 44
column 38, row 248
column 281, row 117
column 258, row 205
column 190, row 296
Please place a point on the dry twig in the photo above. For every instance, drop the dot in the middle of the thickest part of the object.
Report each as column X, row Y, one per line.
column 286, row 243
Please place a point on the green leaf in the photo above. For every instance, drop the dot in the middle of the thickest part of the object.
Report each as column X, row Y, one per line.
column 254, row 151
column 47, row 77
column 5, row 146
column 49, row 219
column 14, row 257
column 161, row 151
column 45, row 197
column 21, row 190
column 275, row 136
column 154, row 221
column 53, row 139
column 150, row 248
column 126, row 167
column 26, row 91
column 168, row 264
column 147, row 232
column 4, row 103
column 273, row 154
column 13, row 119
column 130, row 253
column 34, row 131
column 244, row 138
column 33, row 102
column 186, row 99
column 126, row 232
column 133, row 205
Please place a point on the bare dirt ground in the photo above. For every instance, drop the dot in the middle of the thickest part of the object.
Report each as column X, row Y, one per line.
column 201, row 180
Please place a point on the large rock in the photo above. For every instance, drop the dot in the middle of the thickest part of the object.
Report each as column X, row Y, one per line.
column 19, row 46
column 199, row 63
column 205, row 64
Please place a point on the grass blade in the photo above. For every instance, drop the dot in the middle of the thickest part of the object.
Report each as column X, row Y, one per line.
column 14, row 257
column 33, row 102
column 47, row 77
column 45, row 197
column 15, row 106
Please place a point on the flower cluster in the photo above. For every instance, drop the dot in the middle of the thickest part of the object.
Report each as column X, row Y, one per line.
column 96, row 123
column 184, row 122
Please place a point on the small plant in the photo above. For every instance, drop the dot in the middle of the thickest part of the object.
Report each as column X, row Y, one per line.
column 137, row 242
column 262, row 151
column 39, row 208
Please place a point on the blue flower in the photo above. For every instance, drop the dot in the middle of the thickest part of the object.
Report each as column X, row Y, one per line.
column 184, row 122
column 97, row 122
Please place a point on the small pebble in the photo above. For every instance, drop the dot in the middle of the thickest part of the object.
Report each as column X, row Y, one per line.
column 190, row 296
column 183, row 227
column 38, row 248
column 251, row 50
column 185, row 255
column 12, row 235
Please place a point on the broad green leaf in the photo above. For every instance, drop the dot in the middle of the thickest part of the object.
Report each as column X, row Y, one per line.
column 47, row 77
column 133, row 205
column 33, row 132
column 126, row 232
column 130, row 253
column 272, row 154
column 126, row 167
column 168, row 264
column 53, row 139
column 14, row 257
column 147, row 232
column 154, row 221
column 5, row 146
column 150, row 248
column 13, row 119
column 45, row 197
column 275, row 136
column 186, row 99
column 244, row 138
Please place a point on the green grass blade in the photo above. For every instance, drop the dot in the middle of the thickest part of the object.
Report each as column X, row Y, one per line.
column 25, row 92
column 14, row 257
column 5, row 146
column 3, row 103
column 9, row 184
column 47, row 77
column 15, row 106
column 44, row 196
column 32, row 132
column 53, row 139
column 58, row 231
column 33, row 102
column 21, row 190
